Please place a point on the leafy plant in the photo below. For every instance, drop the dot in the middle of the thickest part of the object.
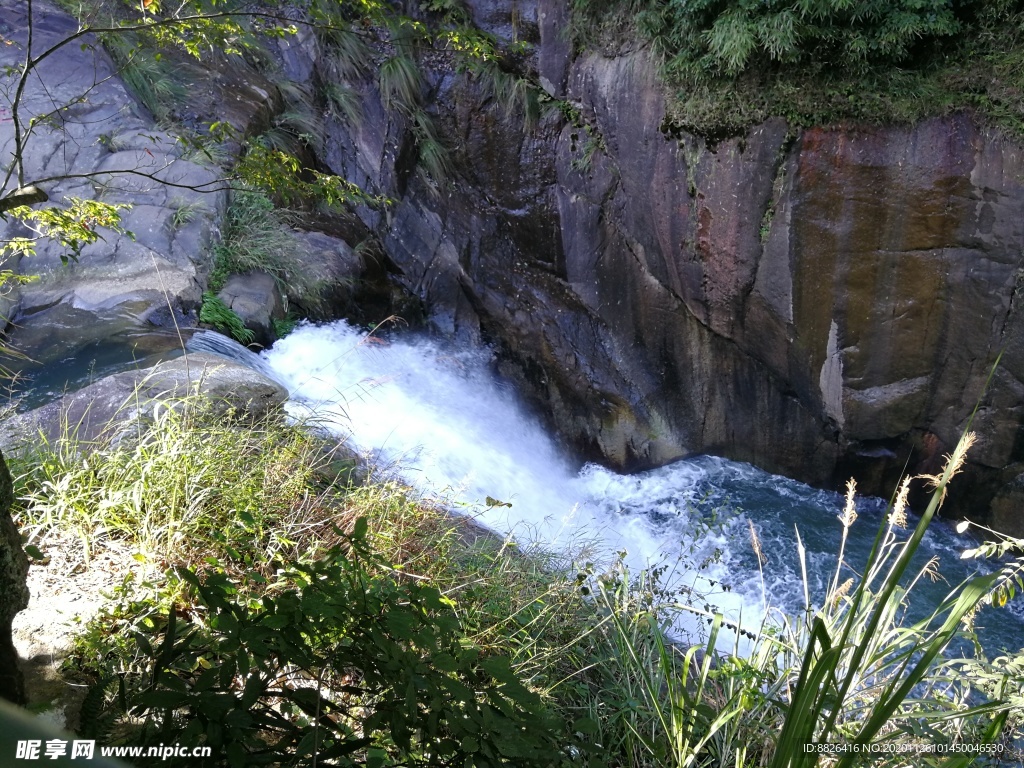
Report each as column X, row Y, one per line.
column 331, row 662
column 732, row 64
column 72, row 227
column 711, row 37
column 218, row 314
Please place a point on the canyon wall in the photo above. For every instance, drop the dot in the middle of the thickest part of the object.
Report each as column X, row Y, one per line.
column 822, row 303
column 819, row 302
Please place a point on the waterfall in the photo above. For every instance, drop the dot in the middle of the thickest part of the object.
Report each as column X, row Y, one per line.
column 439, row 419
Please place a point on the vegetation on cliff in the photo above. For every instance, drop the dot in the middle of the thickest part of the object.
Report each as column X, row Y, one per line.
column 732, row 64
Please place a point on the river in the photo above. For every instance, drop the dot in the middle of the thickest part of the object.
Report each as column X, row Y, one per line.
column 439, row 419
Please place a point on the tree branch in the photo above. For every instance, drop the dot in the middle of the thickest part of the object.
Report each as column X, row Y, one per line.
column 30, row 195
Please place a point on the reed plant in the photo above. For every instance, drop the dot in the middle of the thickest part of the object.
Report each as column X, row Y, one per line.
column 852, row 671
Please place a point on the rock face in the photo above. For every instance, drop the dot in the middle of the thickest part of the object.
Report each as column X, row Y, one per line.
column 116, row 404
column 13, row 591
column 819, row 302
column 108, row 141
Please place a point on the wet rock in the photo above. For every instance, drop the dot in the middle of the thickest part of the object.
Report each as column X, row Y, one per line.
column 1006, row 508
column 331, row 275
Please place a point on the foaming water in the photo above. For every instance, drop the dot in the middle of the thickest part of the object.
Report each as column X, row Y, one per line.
column 440, row 420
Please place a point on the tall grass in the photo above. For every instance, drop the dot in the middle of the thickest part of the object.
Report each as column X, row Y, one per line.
column 148, row 76
column 851, row 671
column 599, row 647
column 185, row 488
column 257, row 238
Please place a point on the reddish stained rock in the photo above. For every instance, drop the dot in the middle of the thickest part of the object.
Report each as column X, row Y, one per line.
column 813, row 301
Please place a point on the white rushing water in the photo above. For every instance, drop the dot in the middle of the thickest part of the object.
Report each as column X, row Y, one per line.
column 441, row 421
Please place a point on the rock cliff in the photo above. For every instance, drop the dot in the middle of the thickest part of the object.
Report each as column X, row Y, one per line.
column 819, row 302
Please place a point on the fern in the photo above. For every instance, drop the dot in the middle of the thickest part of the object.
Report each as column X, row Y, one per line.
column 97, row 717
column 218, row 314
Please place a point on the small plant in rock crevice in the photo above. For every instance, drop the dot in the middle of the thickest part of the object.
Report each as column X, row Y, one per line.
column 218, row 314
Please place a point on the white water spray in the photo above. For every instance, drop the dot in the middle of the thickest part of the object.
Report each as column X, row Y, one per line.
column 441, row 421
column 446, row 426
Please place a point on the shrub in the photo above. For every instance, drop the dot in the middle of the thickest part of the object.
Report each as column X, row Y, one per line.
column 725, row 37
column 731, row 64
column 332, row 661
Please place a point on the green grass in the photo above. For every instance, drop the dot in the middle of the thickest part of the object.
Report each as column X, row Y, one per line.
column 218, row 314
column 184, row 490
column 148, row 76
column 248, row 518
column 185, row 212
column 257, row 238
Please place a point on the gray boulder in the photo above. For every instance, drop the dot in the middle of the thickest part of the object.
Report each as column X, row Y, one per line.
column 256, row 299
column 119, row 405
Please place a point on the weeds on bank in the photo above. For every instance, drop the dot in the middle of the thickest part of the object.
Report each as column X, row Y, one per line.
column 185, row 487
column 279, row 629
column 218, row 314
column 302, row 615
column 257, row 238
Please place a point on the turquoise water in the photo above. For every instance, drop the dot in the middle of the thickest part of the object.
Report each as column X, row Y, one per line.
column 439, row 419
column 37, row 382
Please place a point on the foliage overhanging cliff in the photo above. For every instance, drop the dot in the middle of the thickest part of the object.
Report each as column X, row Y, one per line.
column 731, row 65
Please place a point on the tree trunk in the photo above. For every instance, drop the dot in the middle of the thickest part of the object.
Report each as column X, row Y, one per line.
column 13, row 590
